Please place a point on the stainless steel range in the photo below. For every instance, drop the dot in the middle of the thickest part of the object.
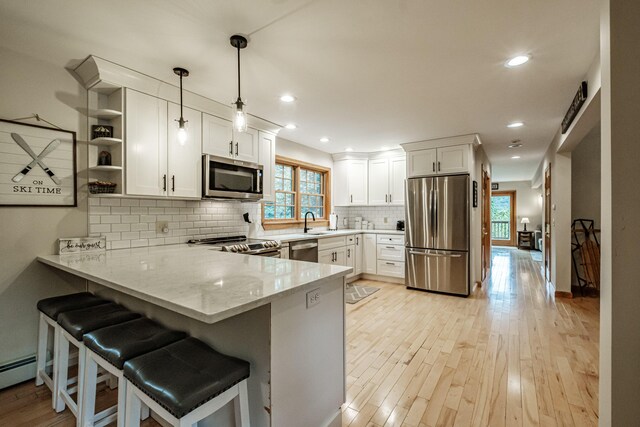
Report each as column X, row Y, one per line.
column 242, row 245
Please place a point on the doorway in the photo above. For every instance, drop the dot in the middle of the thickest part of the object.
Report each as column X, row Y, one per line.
column 486, row 224
column 547, row 223
column 503, row 218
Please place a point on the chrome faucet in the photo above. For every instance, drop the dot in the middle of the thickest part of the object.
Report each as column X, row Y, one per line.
column 305, row 221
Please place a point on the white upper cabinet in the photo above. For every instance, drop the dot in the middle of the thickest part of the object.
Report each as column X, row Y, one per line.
column 422, row 162
column 184, row 160
column 350, row 182
column 219, row 139
column 245, row 145
column 386, row 181
column 453, row 159
column 267, row 158
column 217, row 136
column 397, row 176
column 146, row 144
column 378, row 181
column 156, row 163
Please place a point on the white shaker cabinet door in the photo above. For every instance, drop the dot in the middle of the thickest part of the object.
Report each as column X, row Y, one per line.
column 378, row 181
column 184, row 160
column 421, row 163
column 358, row 176
column 340, row 183
column 267, row 158
column 351, row 259
column 359, row 253
column 146, row 144
column 370, row 255
column 453, row 159
column 245, row 145
column 217, row 136
column 397, row 175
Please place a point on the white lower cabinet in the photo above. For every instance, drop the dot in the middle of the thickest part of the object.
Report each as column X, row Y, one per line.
column 336, row 256
column 351, row 259
column 370, row 265
column 359, row 244
column 390, row 255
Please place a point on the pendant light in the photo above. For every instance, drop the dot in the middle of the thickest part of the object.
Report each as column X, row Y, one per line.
column 239, row 115
column 182, row 128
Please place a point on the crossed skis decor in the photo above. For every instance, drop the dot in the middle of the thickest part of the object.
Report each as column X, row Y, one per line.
column 30, row 179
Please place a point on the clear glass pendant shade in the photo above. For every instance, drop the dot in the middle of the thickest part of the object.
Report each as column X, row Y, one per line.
column 239, row 117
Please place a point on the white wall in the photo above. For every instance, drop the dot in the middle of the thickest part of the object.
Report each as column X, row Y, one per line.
column 479, row 163
column 528, row 203
column 585, row 178
column 33, row 86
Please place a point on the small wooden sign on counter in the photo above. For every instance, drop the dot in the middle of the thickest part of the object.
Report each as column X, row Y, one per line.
column 72, row 245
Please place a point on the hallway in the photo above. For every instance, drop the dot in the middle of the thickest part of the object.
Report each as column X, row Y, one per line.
column 508, row 355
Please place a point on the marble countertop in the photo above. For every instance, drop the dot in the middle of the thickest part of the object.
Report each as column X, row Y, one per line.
column 284, row 238
column 195, row 281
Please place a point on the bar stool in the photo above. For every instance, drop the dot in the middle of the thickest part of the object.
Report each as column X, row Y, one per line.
column 50, row 309
column 74, row 325
column 186, row 382
column 110, row 348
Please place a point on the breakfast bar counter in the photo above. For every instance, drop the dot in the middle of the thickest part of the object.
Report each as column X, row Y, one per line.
column 285, row 317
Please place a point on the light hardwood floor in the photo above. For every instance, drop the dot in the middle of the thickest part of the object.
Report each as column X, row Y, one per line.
column 508, row 355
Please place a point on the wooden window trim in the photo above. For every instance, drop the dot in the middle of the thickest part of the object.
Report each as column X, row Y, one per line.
column 279, row 224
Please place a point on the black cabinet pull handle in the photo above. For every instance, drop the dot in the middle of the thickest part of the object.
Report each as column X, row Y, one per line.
column 389, row 198
column 236, row 149
column 164, row 182
column 351, row 198
column 439, row 167
column 434, row 166
column 173, row 183
column 231, row 148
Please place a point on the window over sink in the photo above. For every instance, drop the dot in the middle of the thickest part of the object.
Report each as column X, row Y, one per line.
column 300, row 187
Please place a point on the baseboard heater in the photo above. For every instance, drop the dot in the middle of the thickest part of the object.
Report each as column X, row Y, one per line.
column 17, row 371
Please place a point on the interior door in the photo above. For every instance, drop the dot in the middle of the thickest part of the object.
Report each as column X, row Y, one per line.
column 378, row 181
column 184, row 160
column 419, row 226
column 547, row 222
column 486, row 224
column 451, row 212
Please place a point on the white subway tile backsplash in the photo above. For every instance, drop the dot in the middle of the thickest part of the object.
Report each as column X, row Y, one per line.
column 164, row 203
column 94, row 219
column 99, row 210
column 148, row 203
column 132, row 218
column 140, row 210
column 100, row 228
column 109, row 202
column 110, row 219
column 129, row 202
column 139, row 243
column 147, row 218
column 121, row 227
column 120, row 244
column 155, row 211
column 143, row 226
column 121, row 210
column 132, row 235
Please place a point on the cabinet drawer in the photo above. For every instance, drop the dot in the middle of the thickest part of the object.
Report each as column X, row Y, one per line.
column 331, row 242
column 391, row 239
column 390, row 268
column 390, row 252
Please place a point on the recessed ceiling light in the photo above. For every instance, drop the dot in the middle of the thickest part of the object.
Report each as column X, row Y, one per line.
column 517, row 61
column 348, row 149
column 515, row 157
column 287, row 98
column 515, row 125
column 291, row 126
column 324, row 139
column 516, row 145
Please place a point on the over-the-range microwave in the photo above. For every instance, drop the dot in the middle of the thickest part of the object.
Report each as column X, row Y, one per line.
column 224, row 178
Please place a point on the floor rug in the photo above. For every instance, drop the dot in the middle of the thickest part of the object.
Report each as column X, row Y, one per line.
column 355, row 293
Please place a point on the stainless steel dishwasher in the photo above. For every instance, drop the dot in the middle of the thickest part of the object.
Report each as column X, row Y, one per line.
column 304, row 250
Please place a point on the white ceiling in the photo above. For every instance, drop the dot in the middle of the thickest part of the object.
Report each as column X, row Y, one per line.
column 366, row 73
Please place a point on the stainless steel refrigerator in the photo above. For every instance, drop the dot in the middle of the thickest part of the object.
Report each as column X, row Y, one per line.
column 437, row 234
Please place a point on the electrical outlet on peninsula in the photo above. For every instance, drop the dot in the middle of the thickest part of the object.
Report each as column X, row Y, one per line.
column 313, row 297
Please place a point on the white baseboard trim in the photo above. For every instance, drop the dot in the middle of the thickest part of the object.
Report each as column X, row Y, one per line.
column 17, row 371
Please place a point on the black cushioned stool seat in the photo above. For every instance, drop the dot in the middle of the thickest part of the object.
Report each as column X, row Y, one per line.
column 185, row 375
column 80, row 322
column 119, row 343
column 52, row 307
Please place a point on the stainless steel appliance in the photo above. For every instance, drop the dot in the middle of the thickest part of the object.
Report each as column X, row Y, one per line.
column 242, row 245
column 437, row 234
column 304, row 250
column 225, row 178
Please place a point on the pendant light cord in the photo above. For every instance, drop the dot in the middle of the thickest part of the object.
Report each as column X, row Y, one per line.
column 239, row 99
column 181, row 116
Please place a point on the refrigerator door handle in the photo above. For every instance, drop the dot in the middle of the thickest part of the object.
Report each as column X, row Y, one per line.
column 435, row 214
column 435, row 254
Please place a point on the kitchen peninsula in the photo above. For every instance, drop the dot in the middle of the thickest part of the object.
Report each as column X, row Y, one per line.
column 285, row 317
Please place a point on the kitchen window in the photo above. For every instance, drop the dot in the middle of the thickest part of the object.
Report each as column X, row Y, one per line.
column 299, row 188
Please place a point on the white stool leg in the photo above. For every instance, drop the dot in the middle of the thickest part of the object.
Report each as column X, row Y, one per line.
column 56, row 365
column 41, row 358
column 62, row 364
column 122, row 402
column 89, row 391
column 132, row 407
column 144, row 414
column 241, row 405
column 82, row 354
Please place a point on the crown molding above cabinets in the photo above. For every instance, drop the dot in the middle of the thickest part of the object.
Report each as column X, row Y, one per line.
column 103, row 76
column 472, row 139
